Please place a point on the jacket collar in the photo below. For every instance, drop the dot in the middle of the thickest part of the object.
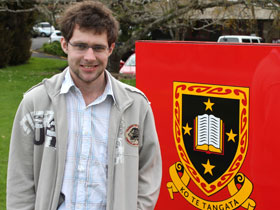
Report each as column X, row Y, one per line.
column 53, row 84
column 122, row 98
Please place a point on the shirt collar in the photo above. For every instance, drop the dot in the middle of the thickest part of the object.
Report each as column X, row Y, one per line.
column 68, row 83
column 107, row 91
column 109, row 86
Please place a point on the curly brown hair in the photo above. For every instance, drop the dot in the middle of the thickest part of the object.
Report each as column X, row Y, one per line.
column 89, row 15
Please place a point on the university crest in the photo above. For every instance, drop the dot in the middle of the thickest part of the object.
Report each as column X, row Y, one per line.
column 210, row 126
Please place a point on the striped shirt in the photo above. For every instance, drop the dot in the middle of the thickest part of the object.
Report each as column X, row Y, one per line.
column 85, row 177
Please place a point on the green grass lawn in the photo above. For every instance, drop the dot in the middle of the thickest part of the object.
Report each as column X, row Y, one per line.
column 14, row 81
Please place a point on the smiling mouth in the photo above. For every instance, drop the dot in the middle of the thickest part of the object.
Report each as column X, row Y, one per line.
column 89, row 67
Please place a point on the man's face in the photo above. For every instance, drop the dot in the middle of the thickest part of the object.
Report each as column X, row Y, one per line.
column 87, row 65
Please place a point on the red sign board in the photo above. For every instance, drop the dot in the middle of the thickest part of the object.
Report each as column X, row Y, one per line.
column 217, row 111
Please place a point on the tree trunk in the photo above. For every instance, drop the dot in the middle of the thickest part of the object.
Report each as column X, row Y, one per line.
column 114, row 62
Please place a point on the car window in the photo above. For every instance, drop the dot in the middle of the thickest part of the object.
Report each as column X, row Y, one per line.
column 131, row 61
column 45, row 25
column 255, row 40
column 58, row 33
column 230, row 39
column 246, row 40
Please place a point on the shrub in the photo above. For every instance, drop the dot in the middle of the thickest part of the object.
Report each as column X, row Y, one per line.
column 53, row 48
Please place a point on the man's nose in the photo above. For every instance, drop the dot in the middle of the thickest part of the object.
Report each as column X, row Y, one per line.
column 89, row 54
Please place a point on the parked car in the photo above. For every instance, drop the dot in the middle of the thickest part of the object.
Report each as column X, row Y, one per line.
column 55, row 36
column 34, row 34
column 121, row 63
column 276, row 41
column 240, row 39
column 43, row 29
column 129, row 66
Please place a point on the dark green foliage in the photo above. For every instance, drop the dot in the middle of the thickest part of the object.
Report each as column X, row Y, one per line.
column 5, row 37
column 15, row 30
column 53, row 48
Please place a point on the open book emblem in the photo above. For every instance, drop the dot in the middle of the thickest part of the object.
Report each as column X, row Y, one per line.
column 210, row 125
column 209, row 134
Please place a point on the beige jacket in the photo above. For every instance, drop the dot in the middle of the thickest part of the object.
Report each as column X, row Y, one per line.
column 39, row 144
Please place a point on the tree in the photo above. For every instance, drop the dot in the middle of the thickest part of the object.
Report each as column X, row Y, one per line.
column 17, row 18
column 139, row 18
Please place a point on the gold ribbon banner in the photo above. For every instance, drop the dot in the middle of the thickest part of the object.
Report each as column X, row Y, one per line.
column 240, row 197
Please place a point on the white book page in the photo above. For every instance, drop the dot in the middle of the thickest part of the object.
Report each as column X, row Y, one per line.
column 202, row 130
column 214, row 131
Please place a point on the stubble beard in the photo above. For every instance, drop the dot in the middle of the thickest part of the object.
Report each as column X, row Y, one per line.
column 80, row 77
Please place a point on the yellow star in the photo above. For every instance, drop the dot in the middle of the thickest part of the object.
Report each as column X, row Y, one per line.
column 208, row 167
column 187, row 129
column 231, row 135
column 208, row 104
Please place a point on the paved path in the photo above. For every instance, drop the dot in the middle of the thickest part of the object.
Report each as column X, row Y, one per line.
column 37, row 43
column 45, row 55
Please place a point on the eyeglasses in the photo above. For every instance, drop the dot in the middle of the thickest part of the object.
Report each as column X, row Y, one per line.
column 82, row 48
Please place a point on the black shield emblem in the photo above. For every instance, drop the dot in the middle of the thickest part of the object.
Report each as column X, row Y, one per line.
column 211, row 132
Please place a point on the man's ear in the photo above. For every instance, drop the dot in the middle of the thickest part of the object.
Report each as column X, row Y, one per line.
column 111, row 48
column 64, row 45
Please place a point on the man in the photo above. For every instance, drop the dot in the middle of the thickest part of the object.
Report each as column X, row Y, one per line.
column 82, row 139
